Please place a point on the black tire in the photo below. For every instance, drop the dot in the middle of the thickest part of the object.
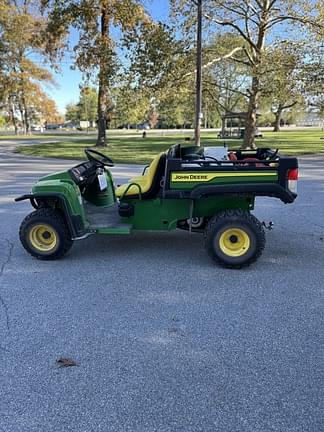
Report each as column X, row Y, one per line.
column 47, row 221
column 230, row 227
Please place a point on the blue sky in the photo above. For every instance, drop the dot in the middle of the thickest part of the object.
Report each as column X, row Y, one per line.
column 68, row 80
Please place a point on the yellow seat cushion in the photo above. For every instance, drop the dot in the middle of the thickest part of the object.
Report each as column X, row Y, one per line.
column 145, row 181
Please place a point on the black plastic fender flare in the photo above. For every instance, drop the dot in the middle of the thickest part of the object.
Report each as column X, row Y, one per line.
column 75, row 223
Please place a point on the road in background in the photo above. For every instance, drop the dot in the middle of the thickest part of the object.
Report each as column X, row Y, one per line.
column 165, row 341
column 138, row 132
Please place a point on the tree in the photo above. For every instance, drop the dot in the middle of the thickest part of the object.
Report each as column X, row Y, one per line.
column 22, row 38
column 163, row 66
column 312, row 73
column 176, row 109
column 88, row 104
column 131, row 105
column 95, row 49
column 281, row 86
column 41, row 108
column 153, row 117
column 86, row 108
column 2, row 121
column 159, row 63
column 254, row 22
column 48, row 111
column 72, row 112
column 225, row 81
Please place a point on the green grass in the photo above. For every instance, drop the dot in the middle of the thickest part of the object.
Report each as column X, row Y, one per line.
column 138, row 150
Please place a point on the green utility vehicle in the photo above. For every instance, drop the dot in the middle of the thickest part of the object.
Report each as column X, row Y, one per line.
column 189, row 188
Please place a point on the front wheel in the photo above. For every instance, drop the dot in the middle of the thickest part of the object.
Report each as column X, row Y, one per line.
column 234, row 238
column 45, row 235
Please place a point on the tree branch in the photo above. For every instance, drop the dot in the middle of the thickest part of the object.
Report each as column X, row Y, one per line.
column 218, row 59
column 226, row 88
column 283, row 107
column 235, row 26
column 250, row 6
column 282, row 18
column 241, row 61
column 252, row 62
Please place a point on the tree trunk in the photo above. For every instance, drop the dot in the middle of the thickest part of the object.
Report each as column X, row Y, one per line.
column 276, row 123
column 22, row 116
column 251, row 117
column 223, row 127
column 103, row 90
column 26, row 118
column 22, row 104
column 13, row 118
column 278, row 114
column 102, row 114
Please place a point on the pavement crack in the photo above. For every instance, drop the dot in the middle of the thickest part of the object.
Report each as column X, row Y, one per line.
column 2, row 269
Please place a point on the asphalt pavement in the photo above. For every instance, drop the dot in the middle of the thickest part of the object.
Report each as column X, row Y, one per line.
column 163, row 339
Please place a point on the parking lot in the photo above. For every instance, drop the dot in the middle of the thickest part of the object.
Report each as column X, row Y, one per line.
column 164, row 340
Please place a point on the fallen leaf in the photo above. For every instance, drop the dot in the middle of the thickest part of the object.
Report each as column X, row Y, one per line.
column 65, row 362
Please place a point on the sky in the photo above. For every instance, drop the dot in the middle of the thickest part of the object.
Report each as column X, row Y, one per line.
column 67, row 88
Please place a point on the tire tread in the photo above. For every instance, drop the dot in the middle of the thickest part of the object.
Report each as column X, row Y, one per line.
column 65, row 236
column 240, row 215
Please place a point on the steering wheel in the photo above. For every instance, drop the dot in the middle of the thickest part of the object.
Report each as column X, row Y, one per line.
column 273, row 156
column 191, row 156
column 212, row 158
column 103, row 161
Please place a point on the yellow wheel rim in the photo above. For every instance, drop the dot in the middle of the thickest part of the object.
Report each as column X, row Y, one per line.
column 43, row 237
column 234, row 242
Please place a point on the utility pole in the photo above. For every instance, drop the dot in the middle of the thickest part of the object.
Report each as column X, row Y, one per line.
column 198, row 113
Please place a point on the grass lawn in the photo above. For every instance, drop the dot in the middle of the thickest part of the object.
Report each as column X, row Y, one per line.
column 138, row 150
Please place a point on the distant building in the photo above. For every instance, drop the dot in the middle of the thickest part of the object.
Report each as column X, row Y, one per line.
column 52, row 126
column 311, row 119
column 84, row 124
column 72, row 124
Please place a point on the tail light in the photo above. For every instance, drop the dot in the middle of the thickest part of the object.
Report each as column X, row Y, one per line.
column 292, row 177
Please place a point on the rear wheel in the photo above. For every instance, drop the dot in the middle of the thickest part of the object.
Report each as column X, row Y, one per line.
column 234, row 238
column 45, row 235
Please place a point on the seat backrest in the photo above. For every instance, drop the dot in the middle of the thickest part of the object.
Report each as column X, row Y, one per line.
column 174, row 152
column 151, row 170
column 155, row 172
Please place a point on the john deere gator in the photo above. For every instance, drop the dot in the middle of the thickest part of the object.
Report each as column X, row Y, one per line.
column 207, row 190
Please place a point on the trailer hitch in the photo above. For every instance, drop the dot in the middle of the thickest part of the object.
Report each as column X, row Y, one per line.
column 268, row 226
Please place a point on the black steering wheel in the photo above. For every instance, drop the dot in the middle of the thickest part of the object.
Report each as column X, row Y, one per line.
column 191, row 156
column 273, row 155
column 103, row 161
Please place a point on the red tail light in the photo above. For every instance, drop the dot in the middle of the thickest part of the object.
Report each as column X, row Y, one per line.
column 292, row 177
column 293, row 174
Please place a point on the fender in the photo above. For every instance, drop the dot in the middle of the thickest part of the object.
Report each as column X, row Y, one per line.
column 75, row 222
